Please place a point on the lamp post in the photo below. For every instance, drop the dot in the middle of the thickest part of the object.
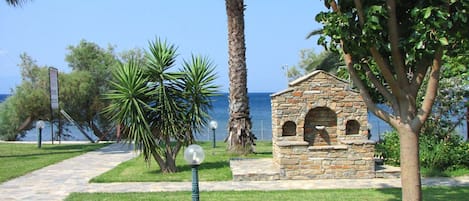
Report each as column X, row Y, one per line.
column 194, row 155
column 39, row 125
column 213, row 126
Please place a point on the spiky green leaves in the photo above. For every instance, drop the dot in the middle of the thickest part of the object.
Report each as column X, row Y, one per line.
column 159, row 108
column 197, row 81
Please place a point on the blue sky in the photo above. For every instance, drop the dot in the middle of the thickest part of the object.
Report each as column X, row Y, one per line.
column 275, row 33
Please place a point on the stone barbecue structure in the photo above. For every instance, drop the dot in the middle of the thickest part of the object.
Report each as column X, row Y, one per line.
column 320, row 130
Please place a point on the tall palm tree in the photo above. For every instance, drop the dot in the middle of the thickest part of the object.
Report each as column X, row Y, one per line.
column 240, row 138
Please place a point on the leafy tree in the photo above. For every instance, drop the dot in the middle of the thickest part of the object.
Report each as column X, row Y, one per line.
column 9, row 119
column 240, row 138
column 136, row 53
column 406, row 40
column 28, row 102
column 32, row 96
column 74, row 96
column 159, row 110
column 454, row 89
column 310, row 61
column 98, row 63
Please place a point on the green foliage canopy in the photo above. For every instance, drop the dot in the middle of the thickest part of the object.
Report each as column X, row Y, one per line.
column 405, row 41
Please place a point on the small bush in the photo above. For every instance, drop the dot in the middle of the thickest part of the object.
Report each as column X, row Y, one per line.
column 389, row 148
column 436, row 152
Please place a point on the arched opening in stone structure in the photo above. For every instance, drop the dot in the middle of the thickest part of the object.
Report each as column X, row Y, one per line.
column 320, row 127
column 352, row 127
column 289, row 129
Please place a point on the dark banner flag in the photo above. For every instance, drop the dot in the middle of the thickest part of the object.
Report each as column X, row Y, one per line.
column 54, row 98
column 54, row 88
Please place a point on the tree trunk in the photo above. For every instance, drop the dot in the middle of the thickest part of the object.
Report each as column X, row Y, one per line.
column 26, row 124
column 96, row 131
column 166, row 166
column 410, row 166
column 240, row 138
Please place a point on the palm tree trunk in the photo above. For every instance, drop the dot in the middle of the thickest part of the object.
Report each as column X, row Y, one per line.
column 240, row 138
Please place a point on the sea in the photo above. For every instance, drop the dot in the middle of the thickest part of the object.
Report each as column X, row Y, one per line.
column 260, row 109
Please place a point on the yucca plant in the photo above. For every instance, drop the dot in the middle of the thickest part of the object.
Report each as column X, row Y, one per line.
column 159, row 110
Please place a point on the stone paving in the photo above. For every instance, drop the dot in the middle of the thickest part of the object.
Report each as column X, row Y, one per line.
column 57, row 181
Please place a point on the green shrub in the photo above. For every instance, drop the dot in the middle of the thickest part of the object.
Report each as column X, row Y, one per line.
column 442, row 154
column 389, row 148
column 438, row 152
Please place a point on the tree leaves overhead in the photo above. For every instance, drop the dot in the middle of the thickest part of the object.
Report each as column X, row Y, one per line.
column 397, row 49
column 423, row 26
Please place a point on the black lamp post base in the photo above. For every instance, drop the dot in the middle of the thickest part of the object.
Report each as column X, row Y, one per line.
column 195, row 183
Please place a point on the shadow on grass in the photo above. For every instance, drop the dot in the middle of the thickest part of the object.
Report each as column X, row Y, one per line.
column 205, row 166
column 264, row 153
column 445, row 193
column 40, row 154
column 70, row 147
column 58, row 149
column 394, row 193
column 431, row 193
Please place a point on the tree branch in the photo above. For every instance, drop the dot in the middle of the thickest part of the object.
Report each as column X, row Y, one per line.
column 378, row 85
column 419, row 77
column 26, row 124
column 394, row 40
column 385, row 70
column 382, row 64
column 365, row 94
column 361, row 16
column 334, row 6
column 431, row 92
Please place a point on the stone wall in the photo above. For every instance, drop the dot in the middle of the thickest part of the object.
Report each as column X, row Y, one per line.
column 319, row 130
column 319, row 91
column 351, row 160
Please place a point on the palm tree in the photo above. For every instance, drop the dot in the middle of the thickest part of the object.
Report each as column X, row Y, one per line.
column 159, row 110
column 240, row 138
column 15, row 3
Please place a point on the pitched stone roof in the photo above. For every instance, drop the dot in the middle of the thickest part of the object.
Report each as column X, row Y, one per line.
column 311, row 75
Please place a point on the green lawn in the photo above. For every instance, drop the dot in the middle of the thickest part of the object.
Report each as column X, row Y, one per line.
column 429, row 194
column 215, row 167
column 19, row 159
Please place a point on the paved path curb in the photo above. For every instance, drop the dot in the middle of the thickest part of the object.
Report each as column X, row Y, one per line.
column 268, row 185
column 57, row 181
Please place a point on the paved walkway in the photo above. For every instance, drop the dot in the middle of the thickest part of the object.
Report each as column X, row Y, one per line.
column 57, row 181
